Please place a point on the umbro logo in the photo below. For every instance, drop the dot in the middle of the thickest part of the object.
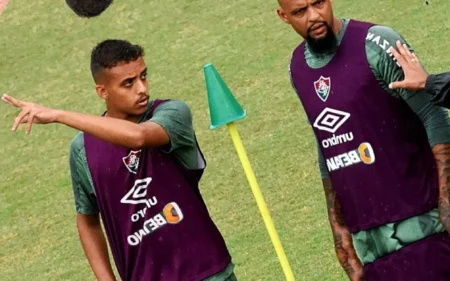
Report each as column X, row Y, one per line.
column 137, row 194
column 330, row 120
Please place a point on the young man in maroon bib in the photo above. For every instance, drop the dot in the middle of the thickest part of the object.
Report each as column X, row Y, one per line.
column 138, row 166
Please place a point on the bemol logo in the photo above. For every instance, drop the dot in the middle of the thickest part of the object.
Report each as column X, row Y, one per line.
column 170, row 215
column 363, row 154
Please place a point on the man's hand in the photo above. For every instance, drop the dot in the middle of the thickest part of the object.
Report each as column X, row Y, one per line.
column 415, row 75
column 31, row 113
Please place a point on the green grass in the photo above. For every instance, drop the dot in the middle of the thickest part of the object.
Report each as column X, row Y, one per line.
column 44, row 57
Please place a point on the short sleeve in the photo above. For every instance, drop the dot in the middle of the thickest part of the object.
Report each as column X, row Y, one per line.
column 176, row 119
column 83, row 190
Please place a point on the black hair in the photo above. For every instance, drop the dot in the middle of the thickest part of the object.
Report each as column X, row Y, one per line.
column 109, row 53
column 88, row 8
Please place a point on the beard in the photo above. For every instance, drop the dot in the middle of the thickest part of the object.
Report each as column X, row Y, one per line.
column 326, row 44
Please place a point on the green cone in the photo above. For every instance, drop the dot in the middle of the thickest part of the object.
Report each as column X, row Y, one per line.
column 223, row 107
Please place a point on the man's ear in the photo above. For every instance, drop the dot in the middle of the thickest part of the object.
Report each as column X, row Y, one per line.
column 101, row 91
column 282, row 15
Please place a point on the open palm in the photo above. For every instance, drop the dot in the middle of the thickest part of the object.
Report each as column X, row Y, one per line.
column 415, row 76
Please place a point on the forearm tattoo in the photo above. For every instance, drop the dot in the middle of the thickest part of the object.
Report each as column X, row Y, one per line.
column 342, row 238
column 442, row 156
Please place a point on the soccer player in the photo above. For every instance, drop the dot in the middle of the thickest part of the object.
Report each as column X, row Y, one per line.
column 384, row 154
column 417, row 79
column 137, row 166
column 88, row 8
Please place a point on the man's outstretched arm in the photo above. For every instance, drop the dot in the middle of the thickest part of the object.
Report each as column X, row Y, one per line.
column 112, row 130
column 116, row 131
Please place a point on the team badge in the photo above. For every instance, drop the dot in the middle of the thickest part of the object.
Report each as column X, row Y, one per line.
column 132, row 161
column 322, row 87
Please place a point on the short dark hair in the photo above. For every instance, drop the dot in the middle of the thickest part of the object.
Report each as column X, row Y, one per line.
column 88, row 8
column 109, row 53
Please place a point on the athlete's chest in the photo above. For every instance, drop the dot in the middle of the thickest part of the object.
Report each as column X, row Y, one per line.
column 117, row 169
column 115, row 164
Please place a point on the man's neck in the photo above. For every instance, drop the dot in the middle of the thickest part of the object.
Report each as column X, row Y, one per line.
column 337, row 26
column 119, row 115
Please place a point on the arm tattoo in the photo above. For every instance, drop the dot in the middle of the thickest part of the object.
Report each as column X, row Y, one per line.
column 342, row 238
column 442, row 156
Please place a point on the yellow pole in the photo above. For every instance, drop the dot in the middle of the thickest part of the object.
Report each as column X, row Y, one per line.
column 260, row 201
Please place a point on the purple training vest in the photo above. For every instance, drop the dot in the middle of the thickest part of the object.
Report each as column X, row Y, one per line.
column 157, row 224
column 376, row 149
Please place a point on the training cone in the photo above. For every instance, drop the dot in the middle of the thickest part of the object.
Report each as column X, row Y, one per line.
column 223, row 107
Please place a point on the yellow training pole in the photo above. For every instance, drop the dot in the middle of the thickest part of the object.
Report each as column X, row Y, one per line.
column 260, row 201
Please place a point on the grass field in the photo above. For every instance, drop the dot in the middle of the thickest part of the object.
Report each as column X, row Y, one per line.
column 44, row 57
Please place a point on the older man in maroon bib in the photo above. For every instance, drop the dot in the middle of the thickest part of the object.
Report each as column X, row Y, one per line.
column 381, row 160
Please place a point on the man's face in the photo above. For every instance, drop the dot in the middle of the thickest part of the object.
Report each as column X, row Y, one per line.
column 125, row 88
column 312, row 19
